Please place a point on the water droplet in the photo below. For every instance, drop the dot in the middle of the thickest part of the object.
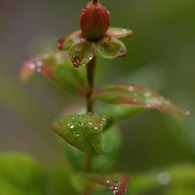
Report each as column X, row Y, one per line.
column 31, row 66
column 164, row 178
column 107, row 181
column 39, row 63
column 147, row 94
column 81, row 123
column 148, row 105
column 77, row 134
column 59, row 126
column 71, row 125
column 187, row 113
column 104, row 118
column 95, row 127
column 90, row 124
column 101, row 124
column 131, row 88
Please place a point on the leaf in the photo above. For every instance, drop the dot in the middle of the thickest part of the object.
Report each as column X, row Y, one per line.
column 66, row 42
column 83, row 131
column 20, row 175
column 102, row 162
column 117, row 183
column 110, row 48
column 57, row 67
column 136, row 95
column 81, row 53
column 119, row 32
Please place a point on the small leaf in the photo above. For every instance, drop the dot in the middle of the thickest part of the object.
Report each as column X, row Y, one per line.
column 82, row 131
column 20, row 175
column 136, row 95
column 110, row 48
column 57, row 67
column 66, row 42
column 119, row 32
column 81, row 53
column 117, row 183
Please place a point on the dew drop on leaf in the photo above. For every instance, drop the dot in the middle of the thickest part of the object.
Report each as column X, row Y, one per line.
column 131, row 88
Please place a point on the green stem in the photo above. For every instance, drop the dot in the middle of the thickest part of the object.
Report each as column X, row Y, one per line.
column 89, row 104
column 90, row 77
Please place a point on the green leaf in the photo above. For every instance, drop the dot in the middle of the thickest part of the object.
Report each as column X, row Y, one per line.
column 136, row 95
column 82, row 52
column 57, row 67
column 102, row 162
column 119, row 32
column 83, row 131
column 115, row 182
column 20, row 175
column 110, row 48
column 66, row 42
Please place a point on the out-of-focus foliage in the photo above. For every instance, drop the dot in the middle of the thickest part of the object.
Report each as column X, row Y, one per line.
column 20, row 175
column 175, row 180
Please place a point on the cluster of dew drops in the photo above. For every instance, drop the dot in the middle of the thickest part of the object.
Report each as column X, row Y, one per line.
column 79, row 121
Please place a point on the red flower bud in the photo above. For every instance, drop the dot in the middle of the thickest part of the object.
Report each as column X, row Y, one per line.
column 94, row 20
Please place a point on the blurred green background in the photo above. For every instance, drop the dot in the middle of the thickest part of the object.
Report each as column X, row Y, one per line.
column 160, row 56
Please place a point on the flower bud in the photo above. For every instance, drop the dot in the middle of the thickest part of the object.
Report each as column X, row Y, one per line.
column 94, row 20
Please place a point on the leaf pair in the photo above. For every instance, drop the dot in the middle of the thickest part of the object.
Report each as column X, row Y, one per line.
column 81, row 50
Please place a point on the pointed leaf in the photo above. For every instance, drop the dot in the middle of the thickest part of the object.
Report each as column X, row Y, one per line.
column 20, row 175
column 119, row 32
column 117, row 183
column 136, row 95
column 110, row 48
column 66, row 42
column 57, row 67
column 82, row 131
column 82, row 52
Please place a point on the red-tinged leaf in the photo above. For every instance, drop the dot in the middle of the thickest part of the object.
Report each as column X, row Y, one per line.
column 137, row 95
column 117, row 183
column 66, row 42
column 81, row 53
column 109, row 47
column 119, row 32
column 57, row 67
